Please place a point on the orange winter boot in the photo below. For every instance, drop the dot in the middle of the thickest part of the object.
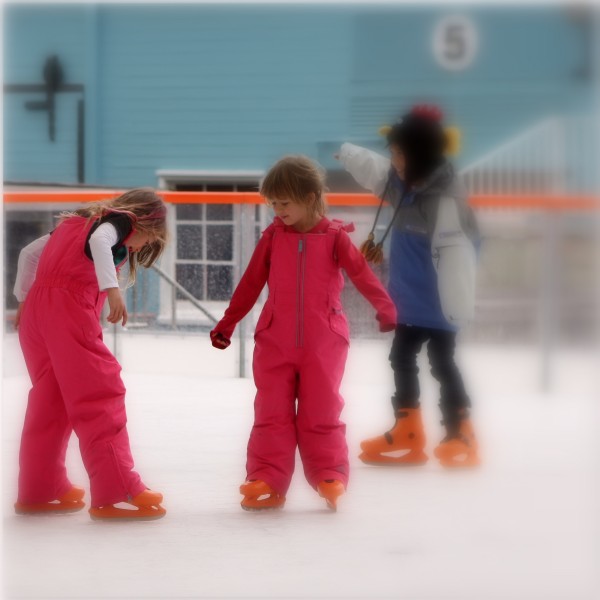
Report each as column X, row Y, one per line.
column 459, row 449
column 72, row 501
column 146, row 508
column 259, row 495
column 331, row 490
column 402, row 445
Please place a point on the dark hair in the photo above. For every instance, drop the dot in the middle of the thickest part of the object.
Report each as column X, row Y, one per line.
column 422, row 140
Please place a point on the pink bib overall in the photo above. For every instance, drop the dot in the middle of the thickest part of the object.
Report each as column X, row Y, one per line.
column 76, row 382
column 301, row 347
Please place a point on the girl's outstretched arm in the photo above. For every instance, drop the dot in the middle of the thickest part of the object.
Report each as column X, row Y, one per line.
column 369, row 169
column 354, row 263
column 246, row 293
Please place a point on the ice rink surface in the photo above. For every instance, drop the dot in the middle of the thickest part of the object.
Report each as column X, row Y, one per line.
column 523, row 526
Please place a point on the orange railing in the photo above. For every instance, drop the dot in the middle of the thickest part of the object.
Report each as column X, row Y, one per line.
column 513, row 202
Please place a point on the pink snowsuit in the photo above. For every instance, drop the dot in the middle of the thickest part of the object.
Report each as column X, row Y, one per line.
column 301, row 345
column 76, row 380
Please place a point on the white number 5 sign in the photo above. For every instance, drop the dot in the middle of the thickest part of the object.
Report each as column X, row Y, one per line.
column 455, row 42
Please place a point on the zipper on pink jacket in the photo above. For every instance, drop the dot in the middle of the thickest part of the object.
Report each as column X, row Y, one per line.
column 300, row 270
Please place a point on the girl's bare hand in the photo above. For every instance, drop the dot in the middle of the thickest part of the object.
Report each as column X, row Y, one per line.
column 118, row 309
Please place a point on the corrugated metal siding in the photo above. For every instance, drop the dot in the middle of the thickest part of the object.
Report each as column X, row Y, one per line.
column 242, row 90
column 517, row 45
column 205, row 87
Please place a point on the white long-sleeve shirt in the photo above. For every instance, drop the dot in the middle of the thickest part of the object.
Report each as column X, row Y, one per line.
column 369, row 169
column 101, row 243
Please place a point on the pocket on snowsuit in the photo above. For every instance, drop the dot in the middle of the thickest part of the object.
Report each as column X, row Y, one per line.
column 265, row 319
column 339, row 324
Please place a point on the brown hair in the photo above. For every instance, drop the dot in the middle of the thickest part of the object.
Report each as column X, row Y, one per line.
column 148, row 214
column 299, row 179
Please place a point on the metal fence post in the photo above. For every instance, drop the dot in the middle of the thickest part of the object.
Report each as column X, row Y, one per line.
column 548, row 301
column 246, row 247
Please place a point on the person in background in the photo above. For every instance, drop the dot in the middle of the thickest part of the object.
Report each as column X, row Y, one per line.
column 432, row 280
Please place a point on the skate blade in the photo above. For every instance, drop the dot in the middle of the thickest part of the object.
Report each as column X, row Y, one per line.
column 392, row 461
column 264, row 502
column 61, row 508
column 260, row 508
column 458, row 460
column 113, row 513
column 458, row 465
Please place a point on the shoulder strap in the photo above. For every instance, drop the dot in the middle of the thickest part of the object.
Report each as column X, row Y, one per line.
column 335, row 227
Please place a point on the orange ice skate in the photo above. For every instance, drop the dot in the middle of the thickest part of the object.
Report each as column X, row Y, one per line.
column 460, row 449
column 259, row 495
column 146, row 508
column 331, row 490
column 71, row 501
column 402, row 445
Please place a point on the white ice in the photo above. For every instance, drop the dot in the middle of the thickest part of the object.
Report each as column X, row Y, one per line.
column 525, row 525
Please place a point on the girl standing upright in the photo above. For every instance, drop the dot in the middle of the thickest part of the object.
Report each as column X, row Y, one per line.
column 301, row 337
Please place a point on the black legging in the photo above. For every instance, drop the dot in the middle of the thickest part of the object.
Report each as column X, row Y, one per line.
column 440, row 350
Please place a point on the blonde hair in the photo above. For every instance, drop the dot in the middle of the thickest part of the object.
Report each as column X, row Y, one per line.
column 148, row 214
column 299, row 179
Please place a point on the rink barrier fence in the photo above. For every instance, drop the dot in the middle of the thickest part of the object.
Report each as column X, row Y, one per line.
column 478, row 201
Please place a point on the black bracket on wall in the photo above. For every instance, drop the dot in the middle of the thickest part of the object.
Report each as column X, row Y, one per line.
column 53, row 75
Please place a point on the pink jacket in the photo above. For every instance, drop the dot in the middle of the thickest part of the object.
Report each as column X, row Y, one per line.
column 349, row 258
